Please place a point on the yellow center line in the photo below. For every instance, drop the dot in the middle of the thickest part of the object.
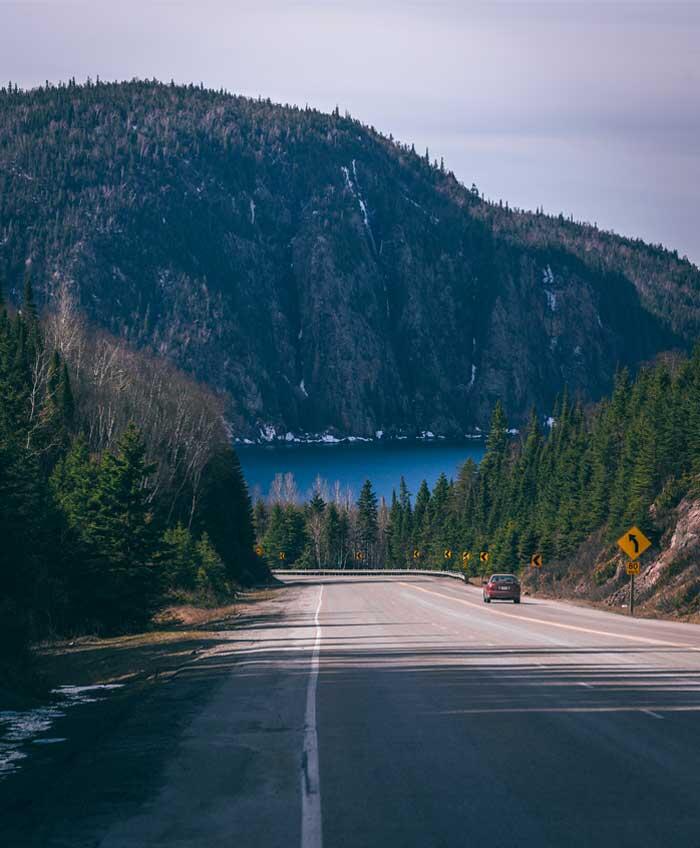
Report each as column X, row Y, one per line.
column 528, row 620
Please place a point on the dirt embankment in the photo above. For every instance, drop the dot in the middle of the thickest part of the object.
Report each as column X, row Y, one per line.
column 668, row 585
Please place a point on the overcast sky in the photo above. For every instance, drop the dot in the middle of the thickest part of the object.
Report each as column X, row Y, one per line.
column 590, row 108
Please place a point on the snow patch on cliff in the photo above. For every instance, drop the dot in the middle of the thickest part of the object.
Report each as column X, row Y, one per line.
column 548, row 280
column 354, row 189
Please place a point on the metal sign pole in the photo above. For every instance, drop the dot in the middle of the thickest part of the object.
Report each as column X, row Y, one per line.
column 632, row 594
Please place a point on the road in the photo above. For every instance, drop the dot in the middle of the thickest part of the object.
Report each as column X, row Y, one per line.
column 375, row 711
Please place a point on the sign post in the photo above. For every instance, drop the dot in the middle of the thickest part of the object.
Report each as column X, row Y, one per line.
column 633, row 543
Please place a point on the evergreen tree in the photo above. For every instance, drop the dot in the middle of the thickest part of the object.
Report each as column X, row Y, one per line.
column 180, row 558
column 367, row 523
column 121, row 532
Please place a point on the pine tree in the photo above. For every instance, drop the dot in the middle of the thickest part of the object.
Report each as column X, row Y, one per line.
column 421, row 520
column 332, row 536
column 367, row 522
column 122, row 534
column 179, row 557
column 212, row 575
column 30, row 313
column 226, row 513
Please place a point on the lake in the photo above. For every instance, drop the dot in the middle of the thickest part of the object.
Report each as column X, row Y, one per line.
column 351, row 464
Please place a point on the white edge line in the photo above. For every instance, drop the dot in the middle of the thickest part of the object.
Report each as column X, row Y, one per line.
column 311, row 824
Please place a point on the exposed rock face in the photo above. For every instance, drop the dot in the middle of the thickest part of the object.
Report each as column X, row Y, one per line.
column 324, row 277
column 668, row 585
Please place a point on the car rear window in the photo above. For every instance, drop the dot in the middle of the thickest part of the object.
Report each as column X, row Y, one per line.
column 503, row 578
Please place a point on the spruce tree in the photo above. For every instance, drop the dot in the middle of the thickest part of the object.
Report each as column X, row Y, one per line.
column 367, row 522
column 122, row 535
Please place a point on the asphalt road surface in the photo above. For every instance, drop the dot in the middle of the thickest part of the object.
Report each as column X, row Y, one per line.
column 400, row 712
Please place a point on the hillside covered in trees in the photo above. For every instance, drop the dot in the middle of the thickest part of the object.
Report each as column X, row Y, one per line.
column 567, row 492
column 119, row 489
column 326, row 277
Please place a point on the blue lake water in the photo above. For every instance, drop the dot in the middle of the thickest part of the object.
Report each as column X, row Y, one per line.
column 352, row 463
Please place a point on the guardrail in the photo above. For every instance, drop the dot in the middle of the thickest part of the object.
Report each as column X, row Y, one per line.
column 368, row 572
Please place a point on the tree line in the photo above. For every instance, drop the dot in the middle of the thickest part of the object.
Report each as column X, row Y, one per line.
column 590, row 471
column 119, row 488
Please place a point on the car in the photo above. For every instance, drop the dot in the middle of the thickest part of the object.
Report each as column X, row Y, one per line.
column 502, row 587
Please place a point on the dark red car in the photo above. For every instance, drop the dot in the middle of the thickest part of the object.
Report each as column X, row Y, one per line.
column 502, row 587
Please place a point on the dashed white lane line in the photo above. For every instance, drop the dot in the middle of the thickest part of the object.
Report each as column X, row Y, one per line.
column 311, row 822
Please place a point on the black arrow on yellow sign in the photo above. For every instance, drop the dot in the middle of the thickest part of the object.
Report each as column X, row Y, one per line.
column 536, row 561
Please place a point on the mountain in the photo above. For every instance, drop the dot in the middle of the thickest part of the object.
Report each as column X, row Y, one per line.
column 322, row 275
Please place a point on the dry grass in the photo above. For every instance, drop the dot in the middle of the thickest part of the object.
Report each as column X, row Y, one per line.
column 179, row 633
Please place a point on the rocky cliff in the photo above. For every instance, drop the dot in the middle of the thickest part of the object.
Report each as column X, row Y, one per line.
column 325, row 277
column 669, row 581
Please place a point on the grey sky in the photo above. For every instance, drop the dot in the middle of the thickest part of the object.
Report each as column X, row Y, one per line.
column 587, row 107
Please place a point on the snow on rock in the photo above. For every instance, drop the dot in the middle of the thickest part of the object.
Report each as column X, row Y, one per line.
column 548, row 280
column 252, row 211
column 379, row 434
column 302, row 386
column 354, row 189
column 433, row 218
column 472, row 379
column 268, row 433
column 550, row 422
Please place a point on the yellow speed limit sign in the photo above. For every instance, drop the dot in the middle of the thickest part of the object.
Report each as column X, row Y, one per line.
column 632, row 568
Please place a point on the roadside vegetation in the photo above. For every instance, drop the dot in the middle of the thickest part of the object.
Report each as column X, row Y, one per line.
column 584, row 477
column 120, row 491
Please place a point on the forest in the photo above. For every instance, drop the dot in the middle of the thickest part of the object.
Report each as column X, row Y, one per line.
column 120, row 491
column 587, row 471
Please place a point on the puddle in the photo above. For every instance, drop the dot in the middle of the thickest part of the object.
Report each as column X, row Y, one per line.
column 22, row 727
